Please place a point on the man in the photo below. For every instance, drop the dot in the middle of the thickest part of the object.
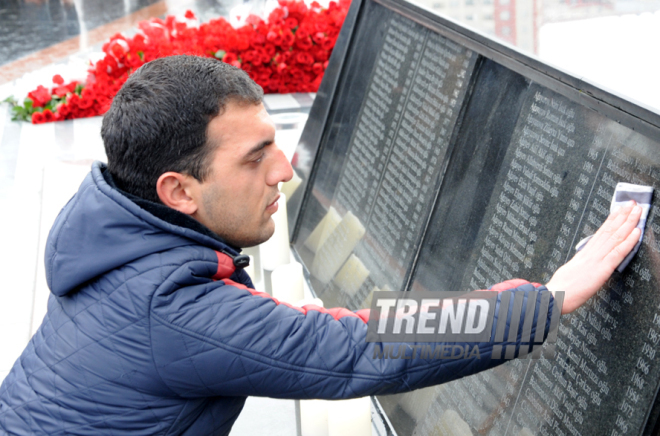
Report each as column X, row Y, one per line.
column 151, row 328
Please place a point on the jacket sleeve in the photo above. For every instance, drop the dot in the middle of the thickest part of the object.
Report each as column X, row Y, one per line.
column 222, row 338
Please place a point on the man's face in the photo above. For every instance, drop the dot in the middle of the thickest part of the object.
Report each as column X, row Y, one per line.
column 238, row 198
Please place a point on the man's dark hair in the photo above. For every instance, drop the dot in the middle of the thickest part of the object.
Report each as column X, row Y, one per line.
column 158, row 119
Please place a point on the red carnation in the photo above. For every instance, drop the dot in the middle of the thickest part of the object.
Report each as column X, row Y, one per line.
column 253, row 20
column 257, row 40
column 85, row 103
column 103, row 106
column 304, row 58
column 118, row 50
column 37, row 118
column 321, row 26
column 319, row 54
column 111, row 64
column 297, row 74
column 269, row 49
column 251, row 56
column 63, row 109
column 133, row 60
column 304, row 44
column 230, row 58
column 288, row 38
column 266, row 58
column 263, row 82
column 190, row 15
column 291, row 23
column 57, row 79
column 328, row 44
column 102, row 88
column 39, row 96
column 276, row 15
column 257, row 58
column 61, row 91
column 275, row 37
column 302, row 32
column 48, row 116
column 88, row 92
column 73, row 100
column 318, row 37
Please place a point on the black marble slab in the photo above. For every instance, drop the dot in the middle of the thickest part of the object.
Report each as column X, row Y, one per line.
column 388, row 145
column 549, row 186
column 446, row 162
column 324, row 104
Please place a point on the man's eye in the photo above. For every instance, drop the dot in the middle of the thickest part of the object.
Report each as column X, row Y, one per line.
column 259, row 159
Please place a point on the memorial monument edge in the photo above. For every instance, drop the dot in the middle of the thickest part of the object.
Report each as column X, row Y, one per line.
column 322, row 108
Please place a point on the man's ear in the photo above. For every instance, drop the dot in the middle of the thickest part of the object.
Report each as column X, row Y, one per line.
column 175, row 189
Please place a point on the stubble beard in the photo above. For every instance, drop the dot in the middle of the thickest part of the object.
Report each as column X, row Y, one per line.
column 231, row 229
column 266, row 232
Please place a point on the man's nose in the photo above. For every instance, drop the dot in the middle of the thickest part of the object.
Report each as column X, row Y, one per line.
column 282, row 170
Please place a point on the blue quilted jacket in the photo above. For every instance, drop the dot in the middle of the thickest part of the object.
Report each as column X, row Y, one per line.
column 151, row 331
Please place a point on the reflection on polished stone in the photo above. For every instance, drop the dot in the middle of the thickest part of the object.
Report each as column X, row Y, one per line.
column 31, row 25
column 35, row 33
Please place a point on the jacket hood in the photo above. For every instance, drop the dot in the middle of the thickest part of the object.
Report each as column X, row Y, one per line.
column 101, row 229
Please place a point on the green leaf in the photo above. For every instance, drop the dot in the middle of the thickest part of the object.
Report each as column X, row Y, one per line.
column 28, row 103
column 220, row 54
column 19, row 114
column 11, row 100
column 79, row 88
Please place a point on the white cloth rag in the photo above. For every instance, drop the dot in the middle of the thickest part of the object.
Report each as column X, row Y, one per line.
column 623, row 194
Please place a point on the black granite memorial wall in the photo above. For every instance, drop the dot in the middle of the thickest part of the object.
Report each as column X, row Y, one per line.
column 438, row 160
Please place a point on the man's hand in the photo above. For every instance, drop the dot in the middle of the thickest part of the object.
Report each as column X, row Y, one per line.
column 591, row 267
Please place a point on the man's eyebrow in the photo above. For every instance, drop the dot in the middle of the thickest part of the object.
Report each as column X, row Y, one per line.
column 257, row 148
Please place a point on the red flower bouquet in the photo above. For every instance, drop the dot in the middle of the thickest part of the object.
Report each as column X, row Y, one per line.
column 287, row 53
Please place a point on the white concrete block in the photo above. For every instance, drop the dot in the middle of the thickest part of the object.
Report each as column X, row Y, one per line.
column 87, row 141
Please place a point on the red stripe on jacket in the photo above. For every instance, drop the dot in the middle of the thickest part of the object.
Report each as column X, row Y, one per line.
column 336, row 312
column 225, row 266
